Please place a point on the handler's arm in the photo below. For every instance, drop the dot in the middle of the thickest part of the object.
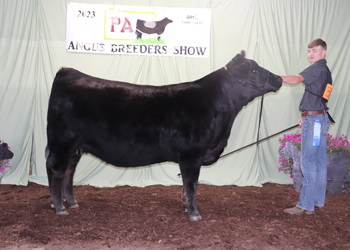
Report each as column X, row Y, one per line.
column 292, row 80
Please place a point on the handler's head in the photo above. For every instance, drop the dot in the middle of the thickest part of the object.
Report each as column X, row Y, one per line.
column 316, row 50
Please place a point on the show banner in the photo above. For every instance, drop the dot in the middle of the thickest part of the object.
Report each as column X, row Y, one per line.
column 134, row 30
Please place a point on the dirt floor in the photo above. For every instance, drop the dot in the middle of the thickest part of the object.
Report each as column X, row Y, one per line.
column 153, row 218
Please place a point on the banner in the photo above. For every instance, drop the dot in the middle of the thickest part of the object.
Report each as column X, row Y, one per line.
column 134, row 30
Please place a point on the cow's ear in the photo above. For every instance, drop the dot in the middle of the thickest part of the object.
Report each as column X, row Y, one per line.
column 243, row 53
column 238, row 59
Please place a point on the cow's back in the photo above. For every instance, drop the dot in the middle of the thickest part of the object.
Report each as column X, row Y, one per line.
column 131, row 125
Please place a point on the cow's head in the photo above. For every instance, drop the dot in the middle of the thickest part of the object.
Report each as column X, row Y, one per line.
column 250, row 74
column 5, row 153
column 167, row 20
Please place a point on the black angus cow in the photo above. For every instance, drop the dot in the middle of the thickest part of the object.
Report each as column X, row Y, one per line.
column 151, row 27
column 130, row 125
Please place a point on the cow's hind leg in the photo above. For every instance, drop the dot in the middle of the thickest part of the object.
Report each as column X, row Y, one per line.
column 57, row 163
column 55, row 184
column 190, row 173
column 68, row 193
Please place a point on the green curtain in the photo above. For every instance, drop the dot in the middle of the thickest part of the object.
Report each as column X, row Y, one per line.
column 275, row 33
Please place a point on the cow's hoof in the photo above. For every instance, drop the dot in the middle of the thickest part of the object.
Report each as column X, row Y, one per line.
column 195, row 217
column 75, row 205
column 62, row 212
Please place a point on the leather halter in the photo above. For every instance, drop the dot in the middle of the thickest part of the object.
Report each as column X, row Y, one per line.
column 245, row 82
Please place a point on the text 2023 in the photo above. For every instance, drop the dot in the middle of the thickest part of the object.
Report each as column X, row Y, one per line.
column 87, row 14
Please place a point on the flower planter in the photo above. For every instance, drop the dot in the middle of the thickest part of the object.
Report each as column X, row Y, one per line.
column 290, row 150
column 337, row 170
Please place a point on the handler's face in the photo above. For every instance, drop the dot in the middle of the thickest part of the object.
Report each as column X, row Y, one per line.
column 316, row 53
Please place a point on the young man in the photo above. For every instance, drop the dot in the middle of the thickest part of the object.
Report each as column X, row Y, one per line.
column 313, row 107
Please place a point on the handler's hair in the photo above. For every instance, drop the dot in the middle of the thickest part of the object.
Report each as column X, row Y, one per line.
column 317, row 42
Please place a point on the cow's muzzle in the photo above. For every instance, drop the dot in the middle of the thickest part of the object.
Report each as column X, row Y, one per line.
column 276, row 82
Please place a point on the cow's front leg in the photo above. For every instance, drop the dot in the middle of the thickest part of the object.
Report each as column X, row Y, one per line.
column 68, row 193
column 190, row 175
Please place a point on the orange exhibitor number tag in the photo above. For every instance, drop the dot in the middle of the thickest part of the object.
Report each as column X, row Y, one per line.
column 327, row 91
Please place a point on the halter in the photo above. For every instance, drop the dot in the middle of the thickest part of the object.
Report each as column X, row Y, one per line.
column 262, row 89
column 245, row 82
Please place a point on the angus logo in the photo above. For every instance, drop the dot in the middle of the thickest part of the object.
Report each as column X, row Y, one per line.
column 126, row 26
column 135, row 30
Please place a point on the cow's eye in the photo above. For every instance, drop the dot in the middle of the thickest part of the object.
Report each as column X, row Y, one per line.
column 254, row 71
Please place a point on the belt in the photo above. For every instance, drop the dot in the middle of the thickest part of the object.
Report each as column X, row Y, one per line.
column 307, row 113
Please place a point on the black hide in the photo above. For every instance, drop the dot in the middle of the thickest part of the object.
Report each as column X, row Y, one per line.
column 130, row 125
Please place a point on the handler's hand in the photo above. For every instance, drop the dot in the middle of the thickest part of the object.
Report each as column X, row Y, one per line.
column 300, row 122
